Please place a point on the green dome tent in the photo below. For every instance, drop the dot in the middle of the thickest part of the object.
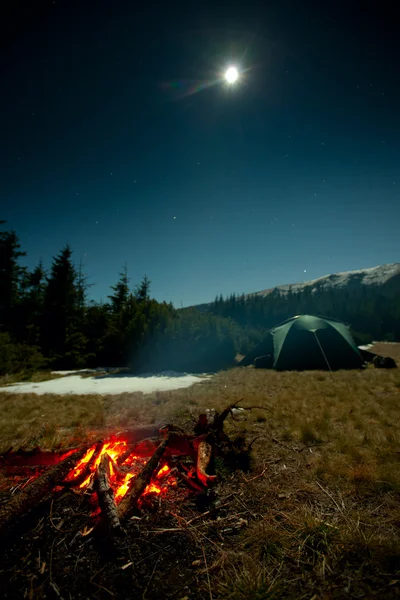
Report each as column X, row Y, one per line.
column 307, row 342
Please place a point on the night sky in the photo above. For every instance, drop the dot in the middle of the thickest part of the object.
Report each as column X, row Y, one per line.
column 120, row 136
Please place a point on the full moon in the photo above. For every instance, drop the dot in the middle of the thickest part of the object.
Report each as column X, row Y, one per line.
column 231, row 74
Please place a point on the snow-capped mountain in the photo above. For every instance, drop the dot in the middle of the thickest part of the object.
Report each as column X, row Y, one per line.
column 383, row 275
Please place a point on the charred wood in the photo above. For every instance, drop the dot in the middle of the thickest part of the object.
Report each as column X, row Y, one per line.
column 30, row 496
column 204, row 458
column 105, row 495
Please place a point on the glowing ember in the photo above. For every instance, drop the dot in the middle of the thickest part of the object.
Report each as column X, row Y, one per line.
column 152, row 488
column 163, row 471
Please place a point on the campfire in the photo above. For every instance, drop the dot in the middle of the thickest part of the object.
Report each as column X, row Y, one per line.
column 120, row 476
column 123, row 464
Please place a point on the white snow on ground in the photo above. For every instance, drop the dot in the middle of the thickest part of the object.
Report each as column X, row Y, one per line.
column 108, row 384
column 366, row 347
column 73, row 371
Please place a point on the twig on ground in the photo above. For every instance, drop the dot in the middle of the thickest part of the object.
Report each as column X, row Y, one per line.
column 329, row 495
column 255, row 477
column 276, row 441
column 151, row 577
column 204, row 514
column 97, row 573
column 51, row 561
column 256, row 407
column 244, row 506
column 252, row 442
column 103, row 588
column 311, row 446
column 57, row 528
column 208, row 575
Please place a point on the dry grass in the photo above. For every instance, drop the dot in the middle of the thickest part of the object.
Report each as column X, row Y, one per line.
column 28, row 376
column 321, row 504
column 387, row 349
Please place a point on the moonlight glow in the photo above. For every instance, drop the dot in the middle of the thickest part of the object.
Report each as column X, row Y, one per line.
column 231, row 74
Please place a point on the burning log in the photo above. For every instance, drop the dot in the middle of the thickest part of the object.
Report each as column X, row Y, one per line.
column 76, row 480
column 29, row 497
column 35, row 457
column 130, row 501
column 105, row 495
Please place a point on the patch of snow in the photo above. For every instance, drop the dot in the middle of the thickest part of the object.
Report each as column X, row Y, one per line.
column 108, row 384
column 73, row 371
column 366, row 347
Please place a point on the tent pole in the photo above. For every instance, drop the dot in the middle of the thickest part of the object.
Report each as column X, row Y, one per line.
column 323, row 353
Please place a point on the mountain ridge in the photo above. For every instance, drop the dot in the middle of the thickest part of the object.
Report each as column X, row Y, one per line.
column 379, row 275
column 386, row 276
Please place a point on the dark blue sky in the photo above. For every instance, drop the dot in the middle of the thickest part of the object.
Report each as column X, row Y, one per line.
column 114, row 141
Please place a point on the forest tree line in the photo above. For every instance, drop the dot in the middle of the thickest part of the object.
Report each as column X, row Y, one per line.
column 373, row 312
column 47, row 321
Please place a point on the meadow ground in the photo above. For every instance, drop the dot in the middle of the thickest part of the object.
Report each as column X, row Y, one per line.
column 316, row 517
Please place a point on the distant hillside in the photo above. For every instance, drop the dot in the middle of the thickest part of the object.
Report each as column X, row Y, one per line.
column 383, row 275
column 386, row 277
column 367, row 299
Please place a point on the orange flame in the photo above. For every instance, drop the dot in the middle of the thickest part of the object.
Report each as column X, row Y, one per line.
column 123, row 488
column 77, row 470
column 121, row 482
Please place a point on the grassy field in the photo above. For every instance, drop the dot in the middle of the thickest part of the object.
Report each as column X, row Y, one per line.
column 317, row 516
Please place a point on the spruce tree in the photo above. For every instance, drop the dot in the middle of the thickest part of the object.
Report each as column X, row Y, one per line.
column 10, row 279
column 143, row 290
column 31, row 306
column 121, row 292
column 61, row 305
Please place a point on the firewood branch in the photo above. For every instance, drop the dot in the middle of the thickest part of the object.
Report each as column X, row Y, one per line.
column 30, row 496
column 105, row 495
column 130, row 502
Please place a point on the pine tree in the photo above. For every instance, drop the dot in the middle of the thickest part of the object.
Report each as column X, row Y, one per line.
column 120, row 298
column 82, row 286
column 32, row 304
column 143, row 290
column 10, row 278
column 61, row 305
